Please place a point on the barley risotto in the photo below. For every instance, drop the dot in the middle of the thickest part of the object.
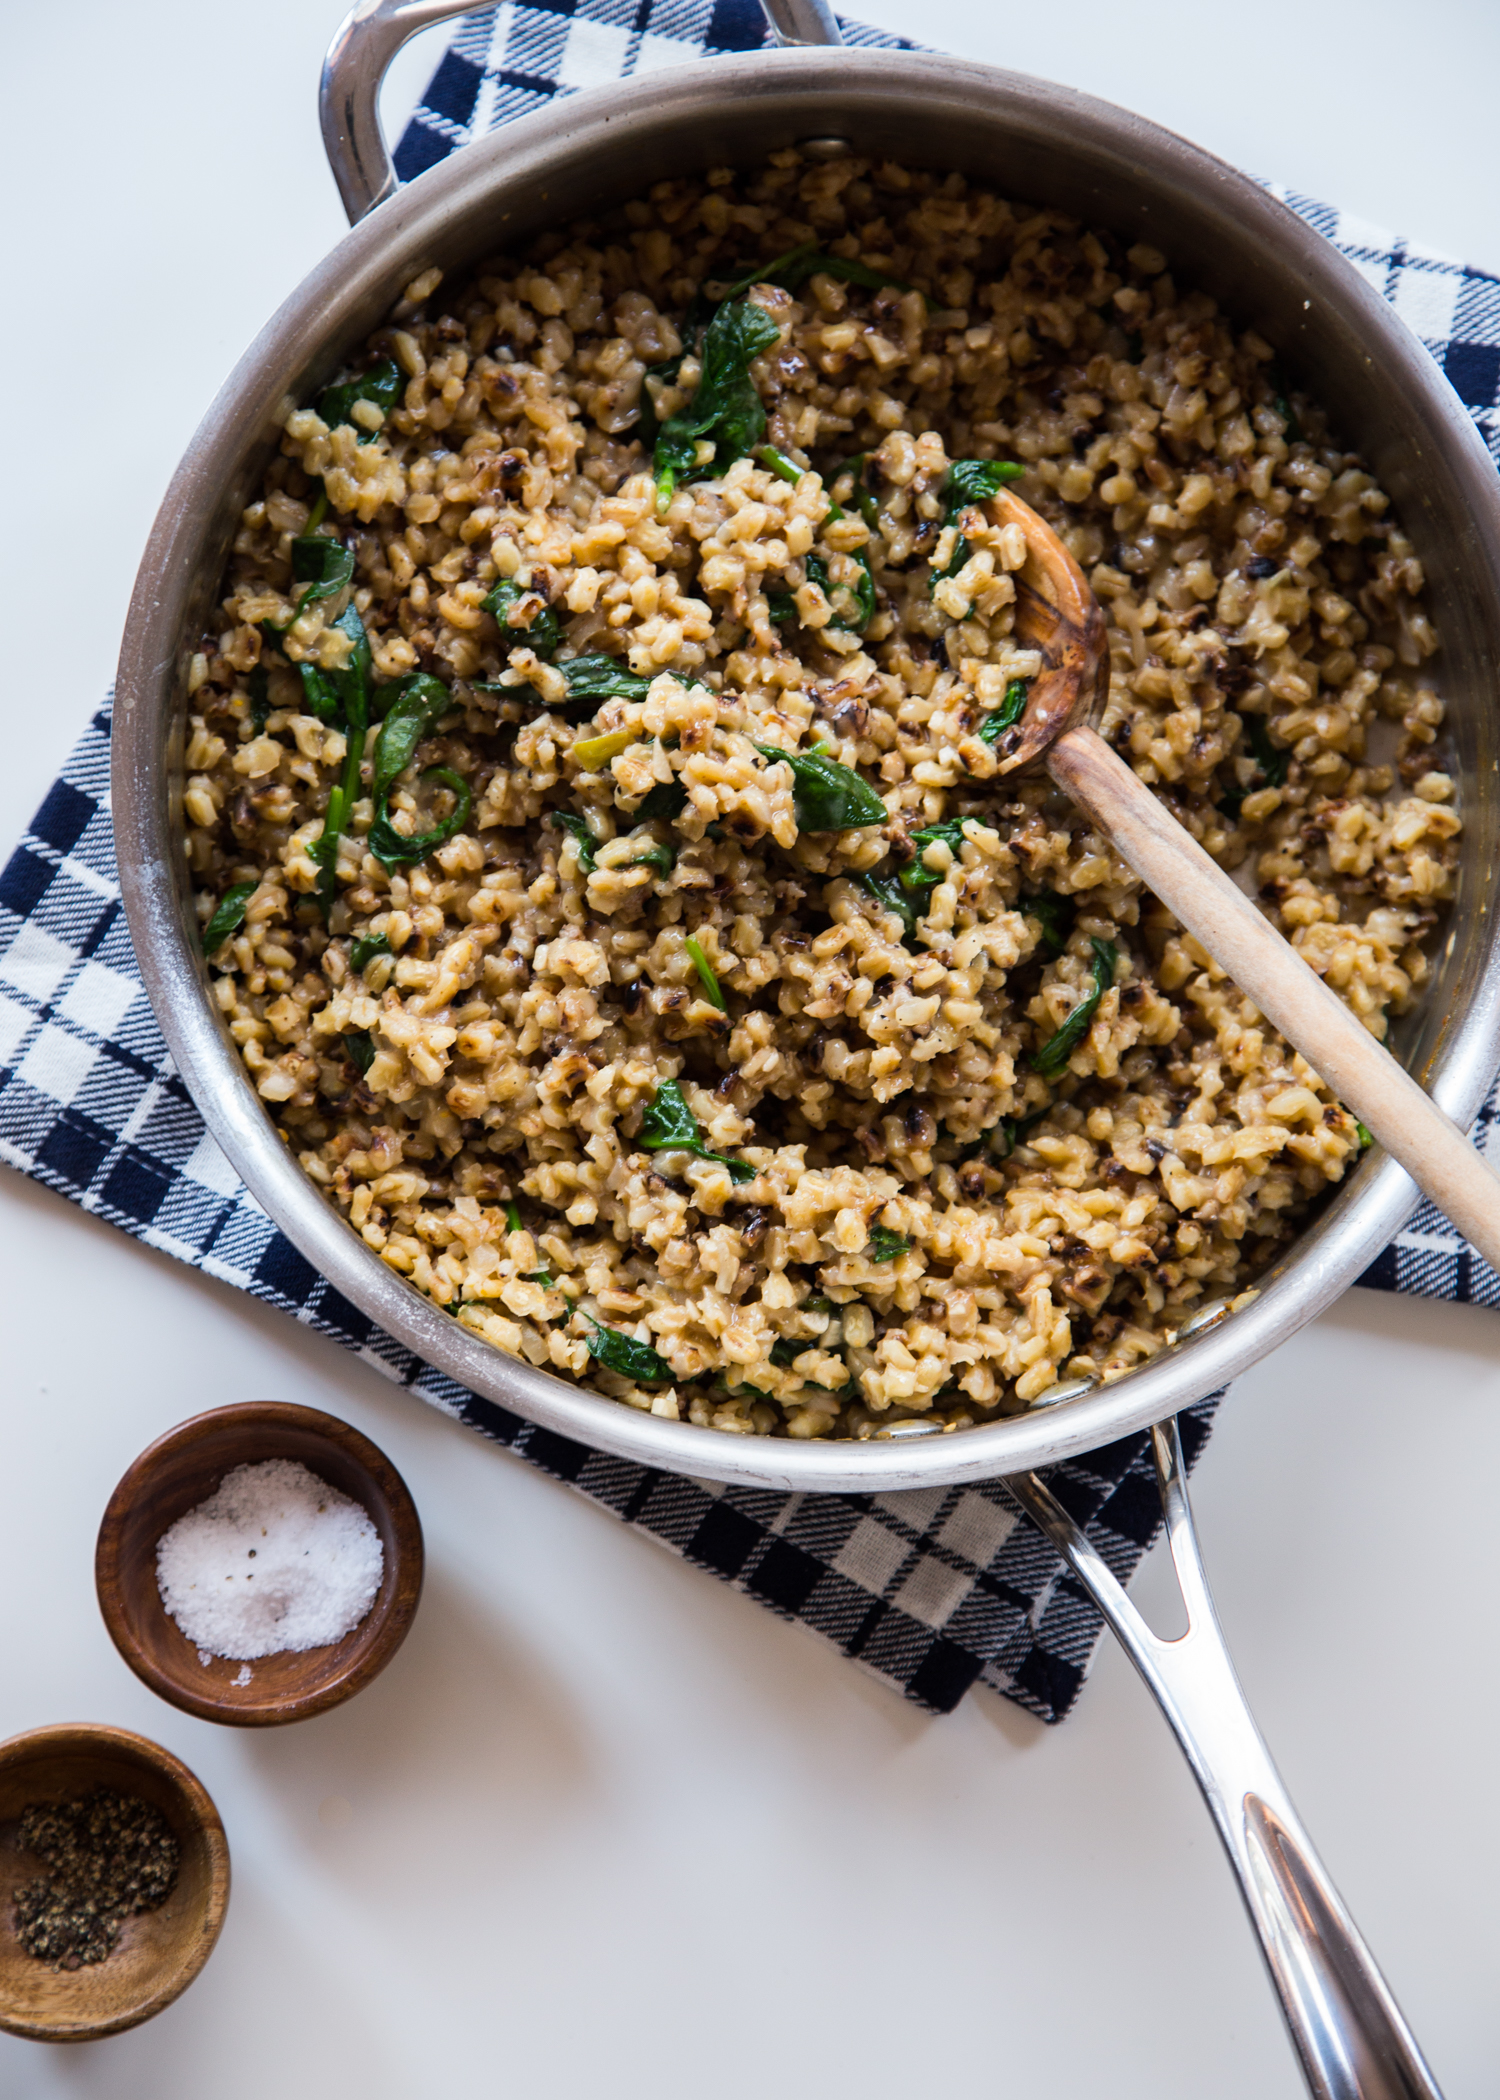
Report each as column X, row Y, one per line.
column 593, row 808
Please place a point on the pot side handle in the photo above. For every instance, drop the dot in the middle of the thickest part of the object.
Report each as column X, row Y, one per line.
column 373, row 32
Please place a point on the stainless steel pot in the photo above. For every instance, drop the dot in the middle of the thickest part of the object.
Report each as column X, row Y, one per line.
column 1027, row 138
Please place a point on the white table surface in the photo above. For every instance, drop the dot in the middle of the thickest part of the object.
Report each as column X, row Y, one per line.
column 603, row 1825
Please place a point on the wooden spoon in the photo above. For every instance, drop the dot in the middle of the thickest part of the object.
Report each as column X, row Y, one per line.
column 1057, row 613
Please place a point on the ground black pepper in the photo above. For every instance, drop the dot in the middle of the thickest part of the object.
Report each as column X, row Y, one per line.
column 111, row 1855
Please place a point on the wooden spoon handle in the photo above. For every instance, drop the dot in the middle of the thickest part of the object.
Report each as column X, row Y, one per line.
column 1366, row 1078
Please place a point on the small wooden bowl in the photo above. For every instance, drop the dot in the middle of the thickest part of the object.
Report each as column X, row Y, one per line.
column 182, row 1469
column 159, row 1951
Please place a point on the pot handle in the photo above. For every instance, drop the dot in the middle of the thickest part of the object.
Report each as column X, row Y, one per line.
column 373, row 32
column 1347, row 2029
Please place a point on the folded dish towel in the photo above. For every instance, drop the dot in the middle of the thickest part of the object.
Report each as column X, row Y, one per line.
column 933, row 1589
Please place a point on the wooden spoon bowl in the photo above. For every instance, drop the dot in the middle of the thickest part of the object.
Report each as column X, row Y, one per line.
column 182, row 1469
column 159, row 1951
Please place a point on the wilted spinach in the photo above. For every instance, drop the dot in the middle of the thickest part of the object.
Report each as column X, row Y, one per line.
column 545, row 632
column 1052, row 1059
column 325, row 565
column 381, row 384
column 889, row 895
column 916, row 878
column 863, row 592
column 365, row 950
column 419, row 704
column 970, row 481
column 583, row 838
column 825, row 795
column 886, row 1245
column 1006, row 715
column 599, row 677
column 662, row 858
column 623, row 1353
column 1055, row 915
column 975, row 481
column 1269, row 757
column 669, row 1125
column 360, row 1049
column 393, row 850
column 725, row 409
column 228, row 916
column 666, row 802
column 259, row 684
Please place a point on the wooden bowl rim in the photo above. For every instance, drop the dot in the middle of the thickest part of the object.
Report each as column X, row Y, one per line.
column 365, row 1663
column 69, row 1738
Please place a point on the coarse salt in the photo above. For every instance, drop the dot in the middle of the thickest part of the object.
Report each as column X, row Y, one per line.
column 275, row 1560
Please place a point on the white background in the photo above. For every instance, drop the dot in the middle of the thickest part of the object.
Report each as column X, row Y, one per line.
column 603, row 1825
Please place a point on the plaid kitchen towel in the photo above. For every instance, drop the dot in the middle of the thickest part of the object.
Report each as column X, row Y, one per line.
column 933, row 1589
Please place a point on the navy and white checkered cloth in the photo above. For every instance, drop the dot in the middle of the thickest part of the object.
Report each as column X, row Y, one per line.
column 934, row 1589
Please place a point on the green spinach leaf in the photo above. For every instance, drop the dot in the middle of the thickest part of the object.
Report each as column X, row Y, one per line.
column 364, row 951
column 259, row 686
column 1006, row 715
column 382, row 384
column 1270, row 758
column 320, row 695
column 360, row 1048
column 565, row 820
column 1055, row 915
column 889, row 895
column 725, row 410
column 228, row 916
column 598, row 677
column 544, row 633
column 669, row 1125
column 825, row 795
column 666, row 802
column 916, row 878
column 974, row 481
column 886, row 1245
column 970, row 481
column 863, row 592
column 325, row 565
column 513, row 1218
column 662, row 858
column 1052, row 1058
column 419, row 704
column 392, row 850
column 866, row 502
column 623, row 1353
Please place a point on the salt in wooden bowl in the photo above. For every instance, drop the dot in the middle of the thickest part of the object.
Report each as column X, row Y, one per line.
column 159, row 1951
column 181, row 1470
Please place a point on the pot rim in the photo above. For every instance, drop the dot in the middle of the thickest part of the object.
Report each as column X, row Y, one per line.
column 1350, row 1233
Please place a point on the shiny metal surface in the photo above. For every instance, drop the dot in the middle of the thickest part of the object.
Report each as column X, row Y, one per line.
column 1029, row 139
column 1346, row 2027
column 348, row 95
column 802, row 22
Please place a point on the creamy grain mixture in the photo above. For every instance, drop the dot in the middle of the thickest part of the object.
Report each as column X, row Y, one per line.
column 886, row 1213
